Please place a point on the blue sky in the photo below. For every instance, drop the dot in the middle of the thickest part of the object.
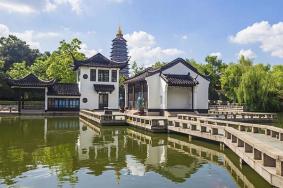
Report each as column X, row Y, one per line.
column 155, row 29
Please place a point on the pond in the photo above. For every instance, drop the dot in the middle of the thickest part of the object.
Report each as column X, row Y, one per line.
column 65, row 152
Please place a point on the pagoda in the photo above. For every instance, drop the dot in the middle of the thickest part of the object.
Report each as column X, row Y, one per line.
column 119, row 51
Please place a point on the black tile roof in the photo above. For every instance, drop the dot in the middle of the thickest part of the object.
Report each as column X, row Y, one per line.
column 179, row 80
column 150, row 71
column 103, row 88
column 62, row 89
column 141, row 76
column 29, row 81
column 99, row 60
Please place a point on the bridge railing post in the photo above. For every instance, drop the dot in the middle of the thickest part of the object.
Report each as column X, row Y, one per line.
column 257, row 154
column 279, row 167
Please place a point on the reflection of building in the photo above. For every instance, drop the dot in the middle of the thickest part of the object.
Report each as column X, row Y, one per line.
column 66, row 145
column 158, row 158
column 85, row 141
column 156, row 155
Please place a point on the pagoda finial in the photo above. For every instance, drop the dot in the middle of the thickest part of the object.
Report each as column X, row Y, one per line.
column 119, row 32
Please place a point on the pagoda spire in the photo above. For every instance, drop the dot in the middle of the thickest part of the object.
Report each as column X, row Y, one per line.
column 119, row 32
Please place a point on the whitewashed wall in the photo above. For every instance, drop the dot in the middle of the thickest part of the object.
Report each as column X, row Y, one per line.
column 200, row 91
column 153, row 84
column 86, row 89
column 163, row 94
column 179, row 98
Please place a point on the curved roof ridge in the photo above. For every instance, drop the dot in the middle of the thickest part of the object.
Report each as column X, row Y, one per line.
column 31, row 75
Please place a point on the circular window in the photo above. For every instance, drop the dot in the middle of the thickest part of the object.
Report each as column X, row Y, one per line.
column 84, row 100
column 85, row 76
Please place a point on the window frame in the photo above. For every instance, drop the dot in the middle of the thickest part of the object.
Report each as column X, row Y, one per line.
column 103, row 77
column 92, row 77
column 116, row 75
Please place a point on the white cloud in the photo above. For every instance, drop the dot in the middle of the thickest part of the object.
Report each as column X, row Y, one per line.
column 184, row 37
column 247, row 54
column 31, row 37
column 88, row 52
column 4, row 30
column 270, row 37
column 16, row 7
column 51, row 5
column 218, row 54
column 143, row 49
column 140, row 39
column 28, row 36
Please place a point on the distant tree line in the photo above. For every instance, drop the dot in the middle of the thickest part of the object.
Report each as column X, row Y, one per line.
column 258, row 86
column 17, row 60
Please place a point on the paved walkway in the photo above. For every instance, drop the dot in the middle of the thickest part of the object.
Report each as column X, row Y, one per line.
column 272, row 142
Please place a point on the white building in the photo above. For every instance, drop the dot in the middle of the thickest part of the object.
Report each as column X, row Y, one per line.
column 98, row 82
column 175, row 87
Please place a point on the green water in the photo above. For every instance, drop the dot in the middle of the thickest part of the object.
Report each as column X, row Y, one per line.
column 64, row 152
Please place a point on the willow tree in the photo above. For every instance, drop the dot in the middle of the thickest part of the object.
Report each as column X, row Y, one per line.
column 230, row 81
column 231, row 77
column 258, row 90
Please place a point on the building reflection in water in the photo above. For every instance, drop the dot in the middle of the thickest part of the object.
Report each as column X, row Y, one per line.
column 67, row 145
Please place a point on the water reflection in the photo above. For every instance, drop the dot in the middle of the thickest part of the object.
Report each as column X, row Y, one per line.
column 55, row 152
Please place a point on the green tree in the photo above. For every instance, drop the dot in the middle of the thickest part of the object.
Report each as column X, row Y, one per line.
column 277, row 76
column 2, row 68
column 245, row 62
column 214, row 67
column 122, row 80
column 14, row 50
column 230, row 81
column 136, row 69
column 158, row 64
column 61, row 60
column 19, row 70
column 198, row 66
column 257, row 90
column 40, row 66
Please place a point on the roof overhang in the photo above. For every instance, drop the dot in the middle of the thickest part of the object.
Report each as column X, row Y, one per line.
column 104, row 88
column 179, row 80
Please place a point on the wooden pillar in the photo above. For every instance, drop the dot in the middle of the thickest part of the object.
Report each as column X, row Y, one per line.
column 45, row 99
column 134, row 95
column 126, row 90
column 193, row 98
